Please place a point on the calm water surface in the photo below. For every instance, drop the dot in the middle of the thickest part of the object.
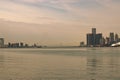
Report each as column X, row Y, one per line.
column 60, row 64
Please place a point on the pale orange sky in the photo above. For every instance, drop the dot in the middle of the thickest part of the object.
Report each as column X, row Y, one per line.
column 57, row 22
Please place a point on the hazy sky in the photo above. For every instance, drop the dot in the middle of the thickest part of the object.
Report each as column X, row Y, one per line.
column 57, row 22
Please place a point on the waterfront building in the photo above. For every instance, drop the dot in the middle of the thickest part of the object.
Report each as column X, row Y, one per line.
column 82, row 44
column 112, row 39
column 94, row 31
column 1, row 42
column 94, row 39
column 26, row 45
column 102, row 42
column 116, row 38
column 90, row 40
column 21, row 44
column 98, row 38
column 119, row 40
column 107, row 41
column 13, row 45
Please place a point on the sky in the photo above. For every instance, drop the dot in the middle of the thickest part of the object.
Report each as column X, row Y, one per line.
column 57, row 22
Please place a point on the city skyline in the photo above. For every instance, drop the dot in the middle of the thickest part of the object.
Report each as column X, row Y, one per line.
column 93, row 39
column 57, row 22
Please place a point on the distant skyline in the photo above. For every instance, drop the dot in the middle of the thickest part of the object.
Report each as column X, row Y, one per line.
column 57, row 22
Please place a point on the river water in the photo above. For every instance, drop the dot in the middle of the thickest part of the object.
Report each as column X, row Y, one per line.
column 60, row 64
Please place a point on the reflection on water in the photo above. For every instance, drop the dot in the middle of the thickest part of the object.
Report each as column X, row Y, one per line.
column 60, row 64
column 104, row 67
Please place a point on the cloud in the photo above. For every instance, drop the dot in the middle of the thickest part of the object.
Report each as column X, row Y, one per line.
column 61, row 11
column 24, row 13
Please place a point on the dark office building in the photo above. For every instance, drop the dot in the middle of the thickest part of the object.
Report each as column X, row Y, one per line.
column 102, row 42
column 116, row 38
column 98, row 38
column 21, row 44
column 112, row 38
column 1, row 42
column 94, row 39
column 93, row 30
column 90, row 40
column 107, row 41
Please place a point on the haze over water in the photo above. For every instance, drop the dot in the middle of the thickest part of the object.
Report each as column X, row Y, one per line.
column 60, row 64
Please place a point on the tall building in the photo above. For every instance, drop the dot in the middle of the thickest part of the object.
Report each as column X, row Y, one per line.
column 102, row 42
column 1, row 42
column 116, row 38
column 98, row 38
column 112, row 38
column 107, row 41
column 21, row 44
column 93, row 30
column 90, row 40
column 94, row 39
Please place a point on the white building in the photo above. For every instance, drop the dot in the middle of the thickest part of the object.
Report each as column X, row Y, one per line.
column 116, row 44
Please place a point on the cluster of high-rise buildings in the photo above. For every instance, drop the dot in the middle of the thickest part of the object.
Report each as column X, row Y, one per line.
column 17, row 45
column 93, row 40
column 97, row 40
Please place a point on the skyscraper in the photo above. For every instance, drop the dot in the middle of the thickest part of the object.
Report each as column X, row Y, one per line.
column 116, row 38
column 98, row 38
column 112, row 38
column 94, row 36
column 102, row 42
column 90, row 40
column 1, row 42
column 94, row 39
column 107, row 41
column 94, row 31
